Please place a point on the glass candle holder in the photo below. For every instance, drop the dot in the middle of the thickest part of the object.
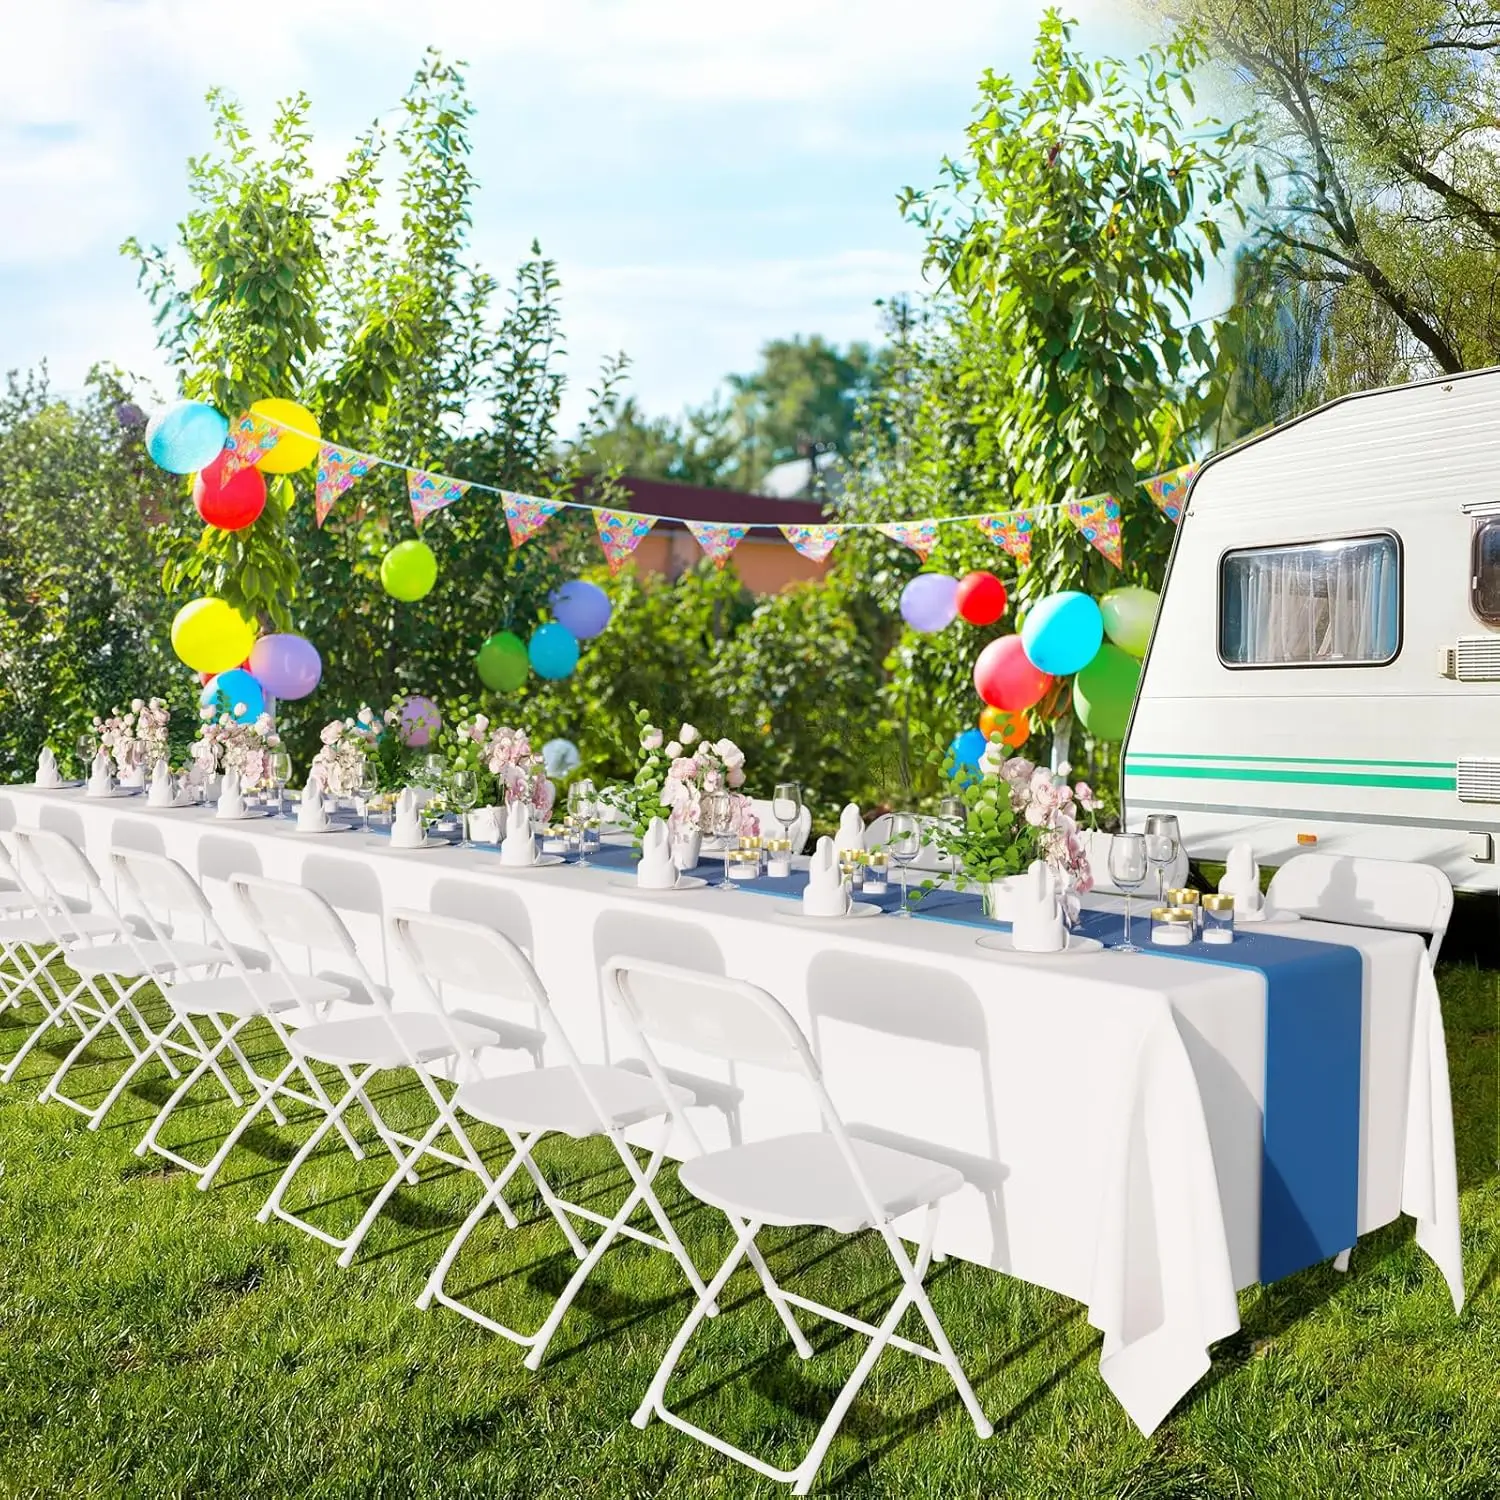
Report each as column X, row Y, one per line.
column 555, row 839
column 851, row 873
column 778, row 858
column 1218, row 919
column 1187, row 900
column 745, row 864
column 877, row 873
column 1172, row 926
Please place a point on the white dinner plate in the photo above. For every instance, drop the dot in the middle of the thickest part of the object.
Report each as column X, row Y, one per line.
column 383, row 842
column 174, row 807
column 1004, row 942
column 1266, row 915
column 326, row 828
column 858, row 909
column 58, row 786
column 684, row 883
column 249, row 812
column 118, row 791
column 542, row 861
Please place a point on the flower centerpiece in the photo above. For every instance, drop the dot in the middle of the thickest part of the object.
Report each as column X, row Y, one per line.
column 1016, row 813
column 225, row 743
column 494, row 750
column 346, row 744
column 135, row 738
column 674, row 775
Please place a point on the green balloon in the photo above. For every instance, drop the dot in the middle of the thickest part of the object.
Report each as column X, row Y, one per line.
column 1104, row 690
column 1129, row 615
column 408, row 571
column 502, row 662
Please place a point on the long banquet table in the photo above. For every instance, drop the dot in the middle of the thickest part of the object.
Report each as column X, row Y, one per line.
column 1105, row 1110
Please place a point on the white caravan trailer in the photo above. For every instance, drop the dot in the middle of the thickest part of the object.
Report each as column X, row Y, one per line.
column 1325, row 668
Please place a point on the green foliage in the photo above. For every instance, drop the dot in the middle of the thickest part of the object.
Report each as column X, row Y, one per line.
column 992, row 842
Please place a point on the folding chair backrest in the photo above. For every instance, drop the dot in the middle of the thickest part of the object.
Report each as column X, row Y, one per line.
column 287, row 915
column 1391, row 893
column 59, row 862
column 165, row 891
column 468, row 955
column 765, row 813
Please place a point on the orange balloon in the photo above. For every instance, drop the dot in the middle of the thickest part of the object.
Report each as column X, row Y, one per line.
column 1014, row 729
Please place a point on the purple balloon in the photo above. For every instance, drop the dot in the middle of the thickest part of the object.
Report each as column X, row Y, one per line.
column 929, row 602
column 420, row 721
column 580, row 607
column 286, row 666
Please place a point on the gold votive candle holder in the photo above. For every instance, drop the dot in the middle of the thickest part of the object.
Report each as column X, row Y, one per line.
column 1218, row 919
column 1177, row 926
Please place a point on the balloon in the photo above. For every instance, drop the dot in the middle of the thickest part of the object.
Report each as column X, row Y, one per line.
column 553, row 651
column 1062, row 633
column 186, row 437
column 502, row 662
column 292, row 452
column 230, row 504
column 981, row 598
column 231, row 689
column 581, row 608
column 966, row 750
column 408, row 571
column 420, row 720
column 927, row 602
column 1005, row 678
column 1104, row 691
column 1129, row 615
column 1014, row 729
column 560, row 758
column 210, row 635
column 286, row 666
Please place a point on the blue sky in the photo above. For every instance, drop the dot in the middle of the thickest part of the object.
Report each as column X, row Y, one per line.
column 707, row 176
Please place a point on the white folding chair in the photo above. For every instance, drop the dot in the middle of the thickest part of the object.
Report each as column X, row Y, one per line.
column 360, row 1048
column 1392, row 893
column 764, row 811
column 574, row 1099
column 829, row 1180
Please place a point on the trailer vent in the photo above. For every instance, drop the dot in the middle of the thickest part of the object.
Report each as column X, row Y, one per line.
column 1479, row 779
column 1477, row 658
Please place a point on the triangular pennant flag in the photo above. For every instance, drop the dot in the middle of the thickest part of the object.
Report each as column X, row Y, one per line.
column 920, row 536
column 338, row 468
column 1098, row 518
column 815, row 542
column 1012, row 531
column 1169, row 491
column 717, row 539
column 250, row 437
column 525, row 516
column 620, row 533
column 430, row 492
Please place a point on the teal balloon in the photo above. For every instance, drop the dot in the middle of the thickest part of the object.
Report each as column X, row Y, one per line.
column 186, row 437
column 233, row 689
column 1128, row 617
column 1104, row 691
column 553, row 651
column 1062, row 633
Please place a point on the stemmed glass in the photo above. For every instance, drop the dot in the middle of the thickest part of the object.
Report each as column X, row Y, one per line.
column 581, row 807
column 904, row 843
column 786, row 805
column 1163, row 840
column 1127, row 870
column 464, row 785
column 281, row 773
column 87, row 747
column 716, row 814
column 365, row 792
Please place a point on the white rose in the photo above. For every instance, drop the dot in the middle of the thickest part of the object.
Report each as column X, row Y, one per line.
column 651, row 739
column 687, row 734
column 673, row 751
column 136, row 705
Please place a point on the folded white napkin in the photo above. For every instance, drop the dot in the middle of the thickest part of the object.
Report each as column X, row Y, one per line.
column 851, row 828
column 101, row 783
column 519, row 847
column 1241, row 879
column 231, row 802
column 406, row 828
column 1036, row 924
column 656, row 871
column 46, row 769
column 487, row 825
column 825, row 895
column 163, row 791
column 311, row 815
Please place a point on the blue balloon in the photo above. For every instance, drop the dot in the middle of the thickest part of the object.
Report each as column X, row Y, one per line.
column 231, row 689
column 186, row 437
column 560, row 758
column 582, row 608
column 553, row 650
column 1063, row 633
column 966, row 750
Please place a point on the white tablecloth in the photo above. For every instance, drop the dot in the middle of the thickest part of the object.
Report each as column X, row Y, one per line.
column 1105, row 1109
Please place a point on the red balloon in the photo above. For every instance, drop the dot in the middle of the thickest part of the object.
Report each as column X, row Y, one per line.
column 230, row 504
column 1005, row 678
column 981, row 598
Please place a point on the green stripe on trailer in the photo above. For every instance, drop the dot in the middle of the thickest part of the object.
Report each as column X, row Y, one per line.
column 1178, row 772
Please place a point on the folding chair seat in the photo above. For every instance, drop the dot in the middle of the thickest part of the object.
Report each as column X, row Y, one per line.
column 253, row 994
column 572, row 1099
column 141, row 960
column 390, row 1041
column 829, row 1180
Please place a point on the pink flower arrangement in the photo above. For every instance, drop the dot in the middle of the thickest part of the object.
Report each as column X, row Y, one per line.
column 505, row 754
column 224, row 743
column 690, row 766
column 1050, row 806
column 340, row 762
column 137, row 736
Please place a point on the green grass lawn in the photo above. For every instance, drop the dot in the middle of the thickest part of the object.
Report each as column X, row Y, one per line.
column 155, row 1340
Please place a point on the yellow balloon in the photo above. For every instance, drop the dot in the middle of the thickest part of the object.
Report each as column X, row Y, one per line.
column 210, row 635
column 292, row 452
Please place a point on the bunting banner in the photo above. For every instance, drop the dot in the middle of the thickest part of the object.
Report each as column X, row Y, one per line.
column 430, row 492
column 920, row 536
column 1012, row 531
column 1098, row 518
column 814, row 542
column 338, row 468
column 526, row 516
column 1169, row 491
column 620, row 533
column 250, row 438
column 717, row 539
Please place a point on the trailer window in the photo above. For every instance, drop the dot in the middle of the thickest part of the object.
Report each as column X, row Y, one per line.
column 1486, row 596
column 1334, row 603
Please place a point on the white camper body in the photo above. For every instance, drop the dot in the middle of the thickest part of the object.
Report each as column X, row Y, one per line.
column 1324, row 672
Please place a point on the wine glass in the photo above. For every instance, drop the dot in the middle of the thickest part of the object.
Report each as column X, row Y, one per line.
column 365, row 792
column 435, row 771
column 281, row 773
column 716, row 815
column 786, row 805
column 581, row 808
column 1163, row 840
column 1127, row 870
column 464, row 785
column 904, row 843
column 87, row 746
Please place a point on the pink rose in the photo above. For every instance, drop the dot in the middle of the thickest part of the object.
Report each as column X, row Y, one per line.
column 683, row 769
column 736, row 776
column 711, row 780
